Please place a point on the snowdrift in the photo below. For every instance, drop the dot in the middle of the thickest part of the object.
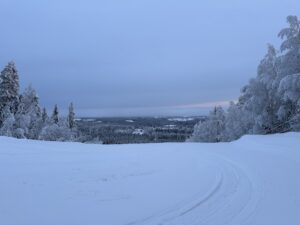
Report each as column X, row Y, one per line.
column 251, row 181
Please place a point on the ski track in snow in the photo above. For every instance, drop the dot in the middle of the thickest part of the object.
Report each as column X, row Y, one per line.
column 230, row 196
column 253, row 181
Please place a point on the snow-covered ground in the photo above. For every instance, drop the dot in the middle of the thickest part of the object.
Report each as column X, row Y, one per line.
column 255, row 180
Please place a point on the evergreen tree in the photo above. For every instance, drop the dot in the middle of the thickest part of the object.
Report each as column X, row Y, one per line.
column 45, row 116
column 55, row 115
column 9, row 89
column 7, row 128
column 71, row 116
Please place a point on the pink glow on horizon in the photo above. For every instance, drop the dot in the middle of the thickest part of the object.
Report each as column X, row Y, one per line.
column 205, row 104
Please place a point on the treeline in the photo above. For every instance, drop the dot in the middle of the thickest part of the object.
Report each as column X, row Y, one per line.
column 120, row 134
column 270, row 103
column 22, row 117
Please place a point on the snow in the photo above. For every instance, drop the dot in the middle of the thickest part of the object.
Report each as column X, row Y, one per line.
column 170, row 126
column 254, row 180
column 180, row 119
column 89, row 120
column 138, row 132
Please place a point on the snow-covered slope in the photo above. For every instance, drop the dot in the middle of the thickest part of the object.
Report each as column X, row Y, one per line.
column 255, row 180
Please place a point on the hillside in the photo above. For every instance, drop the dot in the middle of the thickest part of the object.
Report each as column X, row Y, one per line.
column 254, row 180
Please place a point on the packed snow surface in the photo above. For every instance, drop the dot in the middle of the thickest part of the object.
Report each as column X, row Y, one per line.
column 253, row 181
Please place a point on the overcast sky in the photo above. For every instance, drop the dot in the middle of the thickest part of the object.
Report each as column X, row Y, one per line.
column 139, row 57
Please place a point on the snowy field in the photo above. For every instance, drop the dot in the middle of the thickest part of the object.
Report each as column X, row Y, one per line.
column 255, row 180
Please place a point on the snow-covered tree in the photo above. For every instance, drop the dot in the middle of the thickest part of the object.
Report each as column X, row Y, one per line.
column 238, row 122
column 29, row 103
column 290, row 35
column 45, row 116
column 289, row 90
column 71, row 116
column 288, row 82
column 259, row 99
column 58, row 128
column 290, row 47
column 201, row 133
column 55, row 115
column 29, row 113
column 55, row 132
column 267, row 71
column 211, row 130
column 9, row 89
column 7, row 128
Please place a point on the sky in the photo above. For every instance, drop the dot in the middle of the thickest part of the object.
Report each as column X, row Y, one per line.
column 139, row 57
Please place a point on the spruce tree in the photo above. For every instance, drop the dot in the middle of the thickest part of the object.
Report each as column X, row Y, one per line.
column 8, row 125
column 55, row 115
column 44, row 115
column 71, row 116
column 9, row 89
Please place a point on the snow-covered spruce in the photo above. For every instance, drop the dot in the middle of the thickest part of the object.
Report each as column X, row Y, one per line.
column 9, row 90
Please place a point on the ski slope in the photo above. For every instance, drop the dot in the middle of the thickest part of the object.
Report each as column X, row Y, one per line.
column 253, row 181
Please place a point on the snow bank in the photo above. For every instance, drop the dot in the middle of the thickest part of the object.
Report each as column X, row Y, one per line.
column 251, row 181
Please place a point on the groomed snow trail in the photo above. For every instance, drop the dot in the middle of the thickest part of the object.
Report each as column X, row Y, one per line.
column 253, row 181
